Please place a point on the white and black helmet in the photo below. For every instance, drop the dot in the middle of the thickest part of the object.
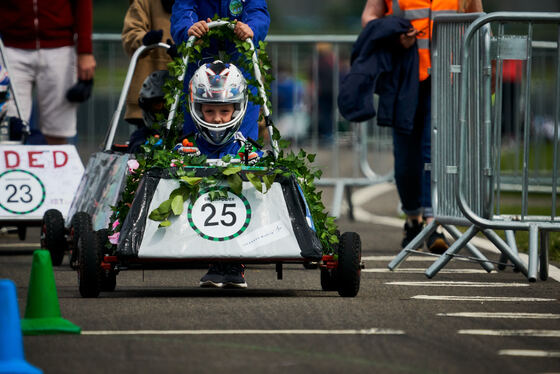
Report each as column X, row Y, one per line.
column 218, row 83
column 151, row 97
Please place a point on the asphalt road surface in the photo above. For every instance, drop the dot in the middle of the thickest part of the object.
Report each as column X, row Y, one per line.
column 464, row 320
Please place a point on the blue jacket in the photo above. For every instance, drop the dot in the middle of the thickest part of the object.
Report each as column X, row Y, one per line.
column 252, row 12
column 381, row 65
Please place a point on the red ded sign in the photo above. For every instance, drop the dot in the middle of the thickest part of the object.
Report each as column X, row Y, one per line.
column 34, row 179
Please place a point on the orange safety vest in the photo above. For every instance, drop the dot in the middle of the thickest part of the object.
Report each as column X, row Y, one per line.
column 421, row 14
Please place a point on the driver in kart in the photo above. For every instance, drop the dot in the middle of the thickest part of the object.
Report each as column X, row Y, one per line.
column 218, row 103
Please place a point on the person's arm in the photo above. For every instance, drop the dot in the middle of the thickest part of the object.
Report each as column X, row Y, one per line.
column 256, row 16
column 373, row 9
column 83, row 24
column 135, row 26
column 183, row 16
column 473, row 6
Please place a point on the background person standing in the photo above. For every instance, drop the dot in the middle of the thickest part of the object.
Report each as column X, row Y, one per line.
column 412, row 149
column 48, row 46
column 146, row 22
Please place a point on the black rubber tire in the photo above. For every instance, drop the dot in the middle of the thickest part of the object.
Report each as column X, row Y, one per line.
column 89, row 267
column 22, row 232
column 81, row 223
column 108, row 277
column 349, row 264
column 328, row 280
column 53, row 235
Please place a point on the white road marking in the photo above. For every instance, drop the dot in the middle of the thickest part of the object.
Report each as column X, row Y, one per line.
column 427, row 258
column 20, row 245
column 480, row 298
column 528, row 353
column 372, row 331
column 457, row 284
column 533, row 333
column 501, row 315
column 422, row 271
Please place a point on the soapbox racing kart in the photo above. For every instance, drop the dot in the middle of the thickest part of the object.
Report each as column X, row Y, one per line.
column 250, row 227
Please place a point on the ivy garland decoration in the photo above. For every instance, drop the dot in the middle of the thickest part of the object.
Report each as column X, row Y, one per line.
column 157, row 153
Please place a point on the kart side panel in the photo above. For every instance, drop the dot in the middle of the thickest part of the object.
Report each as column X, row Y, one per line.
column 275, row 228
column 100, row 188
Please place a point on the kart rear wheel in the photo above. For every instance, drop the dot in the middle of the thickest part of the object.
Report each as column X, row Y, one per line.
column 81, row 223
column 89, row 266
column 53, row 236
column 108, row 277
column 349, row 264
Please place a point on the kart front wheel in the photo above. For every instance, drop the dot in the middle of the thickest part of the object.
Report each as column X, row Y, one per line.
column 89, row 266
column 349, row 264
column 53, row 236
column 81, row 223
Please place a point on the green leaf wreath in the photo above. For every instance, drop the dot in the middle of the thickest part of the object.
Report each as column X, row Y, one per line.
column 157, row 152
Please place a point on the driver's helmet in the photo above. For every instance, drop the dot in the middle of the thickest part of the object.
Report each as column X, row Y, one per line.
column 4, row 92
column 151, row 99
column 218, row 83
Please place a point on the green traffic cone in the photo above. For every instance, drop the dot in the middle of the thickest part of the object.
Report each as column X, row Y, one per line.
column 42, row 312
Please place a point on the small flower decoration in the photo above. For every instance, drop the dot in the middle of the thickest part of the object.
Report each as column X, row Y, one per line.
column 115, row 224
column 132, row 165
column 114, row 239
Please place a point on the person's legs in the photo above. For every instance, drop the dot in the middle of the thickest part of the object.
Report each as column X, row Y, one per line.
column 22, row 74
column 57, row 73
column 408, row 178
column 412, row 153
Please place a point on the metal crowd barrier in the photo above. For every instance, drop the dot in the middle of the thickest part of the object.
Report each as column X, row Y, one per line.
column 467, row 148
column 310, row 65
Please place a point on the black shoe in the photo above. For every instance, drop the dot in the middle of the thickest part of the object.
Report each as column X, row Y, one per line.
column 436, row 243
column 411, row 230
column 235, row 276
column 214, row 277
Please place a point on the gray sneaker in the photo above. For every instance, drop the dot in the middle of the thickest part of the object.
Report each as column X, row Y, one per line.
column 214, row 277
column 234, row 276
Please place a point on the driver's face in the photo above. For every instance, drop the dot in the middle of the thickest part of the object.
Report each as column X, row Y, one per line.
column 217, row 113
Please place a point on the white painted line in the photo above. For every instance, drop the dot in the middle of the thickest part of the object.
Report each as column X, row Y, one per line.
column 480, row 298
column 457, row 284
column 501, row 315
column 363, row 195
column 531, row 333
column 528, row 353
column 409, row 258
column 372, row 331
column 422, row 271
column 20, row 245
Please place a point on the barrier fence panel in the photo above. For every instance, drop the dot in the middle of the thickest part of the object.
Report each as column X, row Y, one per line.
column 445, row 75
column 307, row 69
column 515, row 39
column 495, row 141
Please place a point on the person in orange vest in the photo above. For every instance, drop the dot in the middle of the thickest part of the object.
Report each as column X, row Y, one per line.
column 412, row 150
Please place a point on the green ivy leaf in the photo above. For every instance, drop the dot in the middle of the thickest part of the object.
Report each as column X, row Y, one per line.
column 177, row 205
column 231, row 170
column 235, row 183
column 268, row 180
column 192, row 180
column 255, row 181
column 165, row 223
